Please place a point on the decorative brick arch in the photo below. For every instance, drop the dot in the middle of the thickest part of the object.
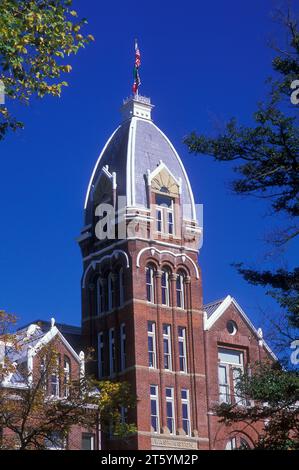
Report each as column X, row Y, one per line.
column 224, row 433
column 183, row 257
column 92, row 265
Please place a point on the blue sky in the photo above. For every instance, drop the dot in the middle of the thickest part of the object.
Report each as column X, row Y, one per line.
column 202, row 63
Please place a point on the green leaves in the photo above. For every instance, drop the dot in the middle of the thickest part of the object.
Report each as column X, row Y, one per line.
column 35, row 38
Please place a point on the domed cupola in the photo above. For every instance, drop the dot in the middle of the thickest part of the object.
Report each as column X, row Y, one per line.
column 137, row 162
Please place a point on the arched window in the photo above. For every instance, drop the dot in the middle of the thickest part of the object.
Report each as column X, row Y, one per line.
column 66, row 376
column 244, row 444
column 149, row 279
column 237, row 442
column 165, row 287
column 110, row 291
column 100, row 297
column 180, row 298
column 121, row 287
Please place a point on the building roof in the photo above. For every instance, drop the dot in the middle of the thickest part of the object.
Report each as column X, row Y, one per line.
column 214, row 310
column 28, row 341
column 211, row 307
column 73, row 334
column 136, row 148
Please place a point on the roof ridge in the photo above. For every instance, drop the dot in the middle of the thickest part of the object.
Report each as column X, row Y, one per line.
column 214, row 302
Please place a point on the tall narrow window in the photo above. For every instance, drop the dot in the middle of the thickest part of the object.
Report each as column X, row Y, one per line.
column 112, row 358
column 121, row 287
column 182, row 349
column 100, row 297
column 54, row 381
column 165, row 214
column 154, row 400
column 43, row 374
column 167, row 347
column 151, row 335
column 101, row 354
column 170, row 221
column 186, row 411
column 159, row 220
column 149, row 278
column 230, row 367
column 224, row 389
column 165, row 287
column 123, row 353
column 123, row 414
column 180, row 300
column 110, row 292
column 170, row 420
column 66, row 377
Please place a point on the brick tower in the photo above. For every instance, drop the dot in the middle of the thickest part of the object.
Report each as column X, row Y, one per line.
column 141, row 283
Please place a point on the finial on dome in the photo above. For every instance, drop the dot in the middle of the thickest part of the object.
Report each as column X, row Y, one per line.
column 52, row 322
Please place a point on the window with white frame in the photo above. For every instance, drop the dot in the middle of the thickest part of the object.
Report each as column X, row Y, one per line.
column 165, row 287
column 66, row 377
column 230, row 367
column 100, row 297
column 154, row 402
column 101, row 354
column 186, row 411
column 170, row 418
column 121, row 287
column 165, row 214
column 151, row 341
column 180, row 298
column 54, row 381
column 159, row 220
column 167, row 347
column 123, row 352
column 112, row 356
column 182, row 349
column 149, row 279
column 43, row 374
column 110, row 291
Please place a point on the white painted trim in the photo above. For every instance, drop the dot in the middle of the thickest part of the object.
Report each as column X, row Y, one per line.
column 130, row 183
column 156, row 171
column 48, row 337
column 93, row 264
column 182, row 168
column 110, row 176
column 209, row 322
column 96, row 167
column 124, row 240
column 168, row 252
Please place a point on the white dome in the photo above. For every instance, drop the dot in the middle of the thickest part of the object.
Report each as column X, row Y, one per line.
column 136, row 148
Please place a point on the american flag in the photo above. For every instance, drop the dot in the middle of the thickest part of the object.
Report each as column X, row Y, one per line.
column 137, row 64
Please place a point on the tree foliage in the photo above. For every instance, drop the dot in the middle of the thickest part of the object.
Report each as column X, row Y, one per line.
column 36, row 39
column 275, row 395
column 265, row 159
column 32, row 418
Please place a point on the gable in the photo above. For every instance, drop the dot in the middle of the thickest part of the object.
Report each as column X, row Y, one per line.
column 215, row 312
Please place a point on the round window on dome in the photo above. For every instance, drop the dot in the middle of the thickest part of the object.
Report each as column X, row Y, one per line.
column 231, row 327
